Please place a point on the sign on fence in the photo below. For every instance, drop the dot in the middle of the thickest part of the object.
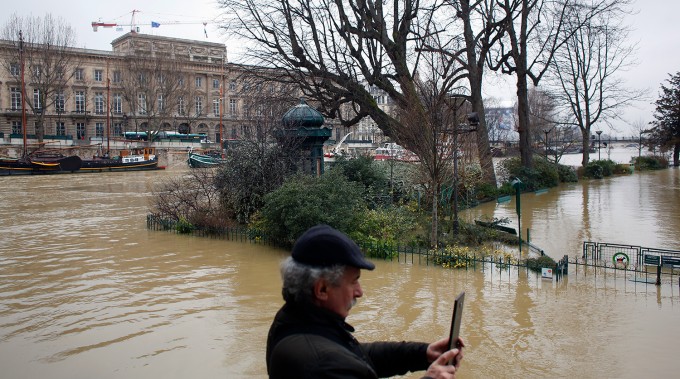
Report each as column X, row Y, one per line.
column 652, row 260
column 546, row 273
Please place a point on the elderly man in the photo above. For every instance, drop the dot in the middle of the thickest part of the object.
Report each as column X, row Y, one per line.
column 309, row 337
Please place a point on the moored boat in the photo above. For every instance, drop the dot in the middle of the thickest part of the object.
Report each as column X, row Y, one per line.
column 33, row 166
column 206, row 160
column 137, row 159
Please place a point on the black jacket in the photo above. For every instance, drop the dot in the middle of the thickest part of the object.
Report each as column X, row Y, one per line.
column 311, row 342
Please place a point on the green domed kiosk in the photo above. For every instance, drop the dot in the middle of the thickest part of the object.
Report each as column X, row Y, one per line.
column 304, row 124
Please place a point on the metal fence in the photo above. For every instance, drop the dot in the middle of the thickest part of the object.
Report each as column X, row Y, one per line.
column 628, row 256
column 607, row 260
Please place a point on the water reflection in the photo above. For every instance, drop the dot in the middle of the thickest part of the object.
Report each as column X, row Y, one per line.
column 87, row 291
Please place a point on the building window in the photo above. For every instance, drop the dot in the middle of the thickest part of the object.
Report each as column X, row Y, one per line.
column 37, row 71
column 60, row 128
column 99, row 129
column 80, row 101
column 80, row 130
column 79, row 74
column 180, row 105
column 37, row 104
column 216, row 83
column 216, row 107
column 117, row 129
column 117, row 78
column 59, row 102
column 199, row 82
column 98, row 75
column 14, row 69
column 180, row 82
column 199, row 105
column 232, row 107
column 99, row 103
column 15, row 101
column 16, row 127
column 161, row 103
column 232, row 85
column 141, row 103
column 117, row 103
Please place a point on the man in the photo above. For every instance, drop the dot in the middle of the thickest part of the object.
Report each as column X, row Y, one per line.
column 309, row 337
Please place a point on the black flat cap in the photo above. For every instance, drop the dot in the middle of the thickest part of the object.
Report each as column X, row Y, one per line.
column 323, row 246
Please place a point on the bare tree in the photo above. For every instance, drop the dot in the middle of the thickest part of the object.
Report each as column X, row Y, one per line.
column 152, row 89
column 534, row 33
column 478, row 46
column 264, row 156
column 48, row 60
column 542, row 113
column 337, row 50
column 586, row 68
column 193, row 198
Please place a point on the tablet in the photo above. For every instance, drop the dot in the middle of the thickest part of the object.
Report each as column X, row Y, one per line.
column 455, row 321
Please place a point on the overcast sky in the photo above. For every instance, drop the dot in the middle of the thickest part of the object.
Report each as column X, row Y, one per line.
column 656, row 28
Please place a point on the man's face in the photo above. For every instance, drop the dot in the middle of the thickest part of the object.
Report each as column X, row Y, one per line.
column 341, row 298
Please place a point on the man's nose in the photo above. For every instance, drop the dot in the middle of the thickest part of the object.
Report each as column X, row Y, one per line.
column 358, row 292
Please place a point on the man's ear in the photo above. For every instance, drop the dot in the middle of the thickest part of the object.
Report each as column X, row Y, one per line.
column 321, row 289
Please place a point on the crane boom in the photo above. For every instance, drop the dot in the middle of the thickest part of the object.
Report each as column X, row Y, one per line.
column 135, row 29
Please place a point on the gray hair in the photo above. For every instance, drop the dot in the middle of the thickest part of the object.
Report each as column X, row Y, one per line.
column 298, row 279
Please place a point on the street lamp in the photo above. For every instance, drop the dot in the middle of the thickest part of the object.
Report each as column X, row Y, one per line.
column 473, row 120
column 517, row 185
column 546, row 131
column 599, row 132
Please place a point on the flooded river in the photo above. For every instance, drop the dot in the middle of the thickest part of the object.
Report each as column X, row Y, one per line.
column 86, row 291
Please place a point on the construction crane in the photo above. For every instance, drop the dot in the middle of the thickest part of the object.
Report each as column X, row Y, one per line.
column 135, row 29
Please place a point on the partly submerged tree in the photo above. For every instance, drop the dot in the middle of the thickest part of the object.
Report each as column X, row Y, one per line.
column 48, row 59
column 585, row 70
column 666, row 128
column 534, row 33
column 262, row 157
column 336, row 51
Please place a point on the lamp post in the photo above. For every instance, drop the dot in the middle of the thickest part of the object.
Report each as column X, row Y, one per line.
column 546, row 131
column 473, row 120
column 517, row 184
column 599, row 132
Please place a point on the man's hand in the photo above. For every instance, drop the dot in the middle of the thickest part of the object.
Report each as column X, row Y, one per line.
column 436, row 349
column 441, row 369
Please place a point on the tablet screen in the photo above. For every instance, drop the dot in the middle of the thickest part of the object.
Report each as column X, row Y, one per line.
column 455, row 320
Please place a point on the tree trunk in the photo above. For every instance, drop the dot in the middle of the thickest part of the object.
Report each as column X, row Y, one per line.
column 676, row 155
column 585, row 145
column 483, row 147
column 523, row 128
column 475, row 66
column 434, row 233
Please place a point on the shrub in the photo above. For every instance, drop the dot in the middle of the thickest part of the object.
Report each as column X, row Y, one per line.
column 304, row 201
column 593, row 170
column 380, row 229
column 620, row 169
column 542, row 175
column 184, row 227
column 536, row 264
column 649, row 162
column 567, row 174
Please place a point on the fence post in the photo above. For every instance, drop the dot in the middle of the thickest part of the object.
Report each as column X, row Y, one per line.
column 658, row 274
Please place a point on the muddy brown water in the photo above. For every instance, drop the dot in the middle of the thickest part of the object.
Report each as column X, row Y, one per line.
column 86, row 291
